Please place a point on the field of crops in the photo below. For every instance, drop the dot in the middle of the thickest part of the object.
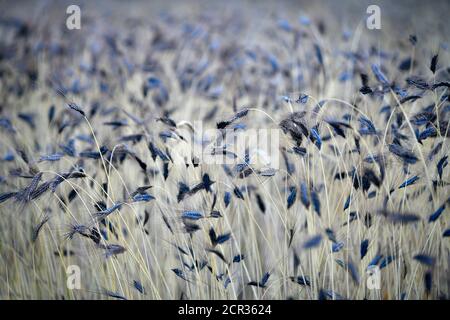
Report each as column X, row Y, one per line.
column 130, row 165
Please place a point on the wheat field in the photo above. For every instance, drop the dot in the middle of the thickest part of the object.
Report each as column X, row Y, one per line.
column 98, row 127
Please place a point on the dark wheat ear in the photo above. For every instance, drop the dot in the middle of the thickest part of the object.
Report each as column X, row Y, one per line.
column 71, row 104
column 114, row 295
column 75, row 107
column 348, row 162
column 7, row 195
column 112, row 249
column 225, row 123
column 104, row 213
column 74, row 229
column 38, row 228
column 312, row 242
column 292, row 196
column 433, row 63
column 406, row 155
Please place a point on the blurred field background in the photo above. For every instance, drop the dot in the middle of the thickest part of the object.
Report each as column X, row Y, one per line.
column 214, row 59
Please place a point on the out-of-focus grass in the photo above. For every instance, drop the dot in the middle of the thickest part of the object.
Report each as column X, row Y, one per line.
column 37, row 270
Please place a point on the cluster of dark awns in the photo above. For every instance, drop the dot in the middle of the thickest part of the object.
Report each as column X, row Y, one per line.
column 66, row 99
